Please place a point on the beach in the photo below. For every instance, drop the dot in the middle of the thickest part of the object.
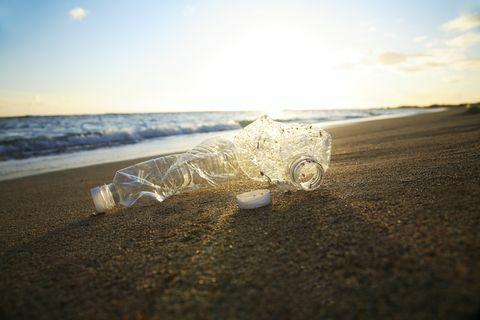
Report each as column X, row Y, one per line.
column 393, row 233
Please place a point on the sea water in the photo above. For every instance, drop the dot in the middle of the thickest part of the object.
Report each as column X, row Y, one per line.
column 36, row 144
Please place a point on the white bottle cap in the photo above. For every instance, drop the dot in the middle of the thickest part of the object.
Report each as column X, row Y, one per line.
column 254, row 199
column 102, row 198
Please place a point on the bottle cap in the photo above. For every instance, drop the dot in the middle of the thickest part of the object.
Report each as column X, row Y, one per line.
column 102, row 198
column 254, row 199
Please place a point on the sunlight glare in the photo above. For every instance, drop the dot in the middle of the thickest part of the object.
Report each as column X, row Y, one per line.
column 274, row 64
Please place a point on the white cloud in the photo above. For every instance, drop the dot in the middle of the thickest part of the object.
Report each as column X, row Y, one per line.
column 452, row 78
column 439, row 54
column 464, row 22
column 435, row 58
column 78, row 13
column 446, row 58
column 471, row 62
column 420, row 39
column 369, row 26
column 397, row 57
column 464, row 40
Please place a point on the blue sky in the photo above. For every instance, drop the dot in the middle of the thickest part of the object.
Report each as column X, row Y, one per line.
column 70, row 57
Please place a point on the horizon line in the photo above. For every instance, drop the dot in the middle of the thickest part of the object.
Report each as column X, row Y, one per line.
column 434, row 105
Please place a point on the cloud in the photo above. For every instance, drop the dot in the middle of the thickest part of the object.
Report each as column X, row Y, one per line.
column 464, row 22
column 420, row 39
column 390, row 58
column 452, row 78
column 471, row 62
column 78, row 13
column 422, row 66
column 442, row 56
column 464, row 40
column 369, row 26
column 435, row 58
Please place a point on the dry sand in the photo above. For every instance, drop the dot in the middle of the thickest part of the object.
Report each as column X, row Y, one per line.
column 392, row 234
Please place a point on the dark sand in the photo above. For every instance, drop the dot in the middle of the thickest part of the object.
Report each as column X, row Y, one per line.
column 392, row 234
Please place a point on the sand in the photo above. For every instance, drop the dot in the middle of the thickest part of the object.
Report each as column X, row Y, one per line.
column 392, row 234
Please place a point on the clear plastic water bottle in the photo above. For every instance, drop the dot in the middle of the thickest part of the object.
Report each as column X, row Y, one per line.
column 292, row 156
column 208, row 164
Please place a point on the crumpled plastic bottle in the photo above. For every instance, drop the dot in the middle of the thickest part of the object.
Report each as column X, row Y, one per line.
column 291, row 156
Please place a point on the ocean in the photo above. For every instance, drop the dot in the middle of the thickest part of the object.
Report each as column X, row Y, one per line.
column 37, row 144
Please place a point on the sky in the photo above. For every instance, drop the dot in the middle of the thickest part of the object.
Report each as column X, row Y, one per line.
column 80, row 56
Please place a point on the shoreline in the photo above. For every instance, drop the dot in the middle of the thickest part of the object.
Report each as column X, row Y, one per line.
column 14, row 169
column 391, row 233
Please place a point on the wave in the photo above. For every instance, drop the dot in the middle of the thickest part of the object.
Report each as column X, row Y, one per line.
column 25, row 137
column 25, row 147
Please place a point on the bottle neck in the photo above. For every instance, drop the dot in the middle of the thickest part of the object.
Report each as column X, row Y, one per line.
column 305, row 173
column 113, row 192
column 102, row 198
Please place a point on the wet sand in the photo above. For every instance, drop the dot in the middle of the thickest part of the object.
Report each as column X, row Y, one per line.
column 392, row 234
